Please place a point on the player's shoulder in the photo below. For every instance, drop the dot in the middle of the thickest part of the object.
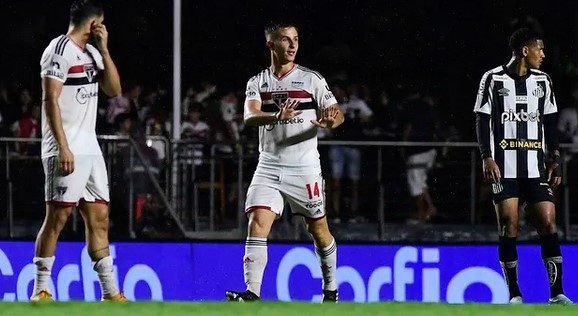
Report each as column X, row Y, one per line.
column 308, row 72
column 495, row 71
column 258, row 77
column 540, row 74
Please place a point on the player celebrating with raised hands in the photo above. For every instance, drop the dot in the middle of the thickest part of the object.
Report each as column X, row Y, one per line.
column 289, row 103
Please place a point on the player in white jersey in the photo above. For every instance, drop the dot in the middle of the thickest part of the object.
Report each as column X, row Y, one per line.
column 289, row 103
column 71, row 71
column 515, row 118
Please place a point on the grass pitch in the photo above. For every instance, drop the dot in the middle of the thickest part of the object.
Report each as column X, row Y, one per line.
column 278, row 308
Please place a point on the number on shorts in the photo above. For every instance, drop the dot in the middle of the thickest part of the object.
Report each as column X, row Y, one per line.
column 314, row 192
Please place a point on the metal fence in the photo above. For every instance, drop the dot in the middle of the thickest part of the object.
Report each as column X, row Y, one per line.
column 201, row 187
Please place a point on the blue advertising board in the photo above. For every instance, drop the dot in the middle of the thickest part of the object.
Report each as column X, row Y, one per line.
column 366, row 273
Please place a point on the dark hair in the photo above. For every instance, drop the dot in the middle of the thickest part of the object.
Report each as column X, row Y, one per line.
column 520, row 38
column 81, row 10
column 273, row 26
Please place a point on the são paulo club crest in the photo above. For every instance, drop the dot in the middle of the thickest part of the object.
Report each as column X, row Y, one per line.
column 89, row 71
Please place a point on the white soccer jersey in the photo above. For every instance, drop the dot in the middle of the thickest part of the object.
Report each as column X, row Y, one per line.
column 517, row 106
column 290, row 145
column 77, row 69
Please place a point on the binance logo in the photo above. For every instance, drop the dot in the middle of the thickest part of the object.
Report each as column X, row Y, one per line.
column 521, row 144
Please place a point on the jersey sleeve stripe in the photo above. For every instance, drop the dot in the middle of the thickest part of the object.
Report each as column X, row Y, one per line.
column 311, row 71
column 57, row 46
column 61, row 46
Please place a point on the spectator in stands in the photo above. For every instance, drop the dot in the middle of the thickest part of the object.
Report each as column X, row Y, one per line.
column 28, row 126
column 343, row 158
column 421, row 124
column 128, row 102
column 197, row 131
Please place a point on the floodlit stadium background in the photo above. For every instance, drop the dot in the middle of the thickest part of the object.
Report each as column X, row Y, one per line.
column 400, row 49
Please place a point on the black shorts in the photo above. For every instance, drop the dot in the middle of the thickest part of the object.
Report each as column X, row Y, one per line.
column 529, row 190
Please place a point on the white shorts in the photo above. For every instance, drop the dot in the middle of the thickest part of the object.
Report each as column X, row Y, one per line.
column 304, row 193
column 418, row 166
column 89, row 181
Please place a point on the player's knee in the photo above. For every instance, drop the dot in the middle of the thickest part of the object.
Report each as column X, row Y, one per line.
column 259, row 226
column 509, row 227
column 548, row 227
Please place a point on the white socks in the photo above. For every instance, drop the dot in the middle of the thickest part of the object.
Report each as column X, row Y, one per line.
column 328, row 258
column 104, row 269
column 43, row 271
column 254, row 263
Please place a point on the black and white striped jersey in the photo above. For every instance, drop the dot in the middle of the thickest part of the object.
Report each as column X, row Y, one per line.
column 517, row 106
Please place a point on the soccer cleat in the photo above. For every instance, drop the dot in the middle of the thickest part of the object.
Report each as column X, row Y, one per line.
column 516, row 300
column 330, row 296
column 42, row 296
column 115, row 298
column 560, row 299
column 246, row 296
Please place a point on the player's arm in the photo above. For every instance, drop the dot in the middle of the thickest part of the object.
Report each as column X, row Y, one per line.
column 51, row 92
column 552, row 137
column 110, row 81
column 483, row 110
column 253, row 116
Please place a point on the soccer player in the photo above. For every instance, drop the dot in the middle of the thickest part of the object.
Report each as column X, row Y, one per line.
column 516, row 130
column 71, row 71
column 289, row 103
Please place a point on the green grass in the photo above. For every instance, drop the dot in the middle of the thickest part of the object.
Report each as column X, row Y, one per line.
column 275, row 308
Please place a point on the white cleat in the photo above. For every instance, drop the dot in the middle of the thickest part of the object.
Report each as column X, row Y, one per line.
column 516, row 300
column 560, row 299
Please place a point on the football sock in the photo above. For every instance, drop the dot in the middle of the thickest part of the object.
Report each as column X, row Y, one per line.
column 254, row 263
column 552, row 256
column 509, row 263
column 105, row 271
column 328, row 258
column 43, row 271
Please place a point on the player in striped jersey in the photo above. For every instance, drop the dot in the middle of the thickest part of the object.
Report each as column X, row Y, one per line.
column 516, row 130
column 71, row 70
column 289, row 103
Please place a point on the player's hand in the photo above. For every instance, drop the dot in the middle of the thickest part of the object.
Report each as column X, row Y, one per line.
column 491, row 171
column 287, row 110
column 66, row 161
column 100, row 35
column 554, row 177
column 328, row 117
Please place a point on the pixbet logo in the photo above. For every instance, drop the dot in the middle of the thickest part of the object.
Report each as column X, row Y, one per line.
column 83, row 273
column 398, row 276
column 522, row 116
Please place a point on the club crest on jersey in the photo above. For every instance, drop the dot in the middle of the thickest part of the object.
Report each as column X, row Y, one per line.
column 89, row 71
column 279, row 98
column 538, row 92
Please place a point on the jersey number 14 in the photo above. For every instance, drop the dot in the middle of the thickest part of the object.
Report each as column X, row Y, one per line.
column 314, row 192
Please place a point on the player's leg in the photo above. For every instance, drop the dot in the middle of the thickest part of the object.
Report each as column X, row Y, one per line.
column 542, row 213
column 57, row 215
column 94, row 210
column 507, row 215
column 305, row 194
column 60, row 193
column 263, row 205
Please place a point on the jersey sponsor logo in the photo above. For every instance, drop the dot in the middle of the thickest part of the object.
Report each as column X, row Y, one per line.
column 295, row 120
column 56, row 65
column 552, row 271
column 521, row 99
column 504, row 92
column 314, row 204
column 318, row 212
column 297, row 84
column 328, row 96
column 520, row 144
column 82, row 96
column 264, row 85
column 251, row 93
column 55, row 73
column 522, row 116
column 538, row 92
